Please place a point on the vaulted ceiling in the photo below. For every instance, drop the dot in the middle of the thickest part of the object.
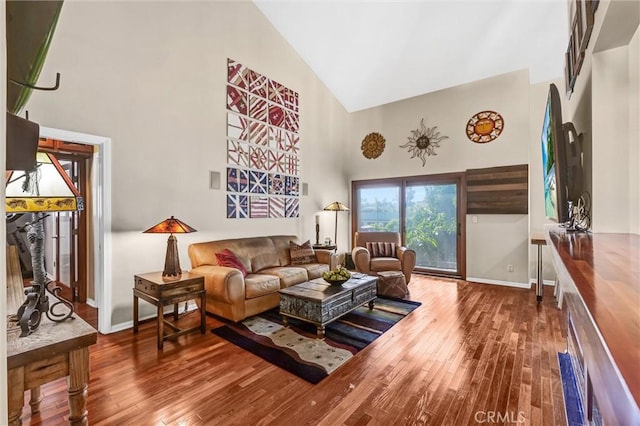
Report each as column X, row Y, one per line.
column 372, row 52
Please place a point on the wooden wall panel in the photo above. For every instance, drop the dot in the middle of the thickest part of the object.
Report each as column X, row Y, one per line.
column 498, row 190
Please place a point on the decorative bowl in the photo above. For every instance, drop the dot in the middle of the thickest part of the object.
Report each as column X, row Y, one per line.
column 336, row 282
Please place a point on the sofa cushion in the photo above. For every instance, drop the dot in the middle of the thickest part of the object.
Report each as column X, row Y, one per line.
column 281, row 244
column 381, row 249
column 302, row 254
column 264, row 260
column 289, row 275
column 385, row 264
column 315, row 270
column 257, row 285
column 227, row 258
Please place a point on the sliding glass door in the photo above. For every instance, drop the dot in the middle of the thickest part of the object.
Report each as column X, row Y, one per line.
column 431, row 225
column 425, row 210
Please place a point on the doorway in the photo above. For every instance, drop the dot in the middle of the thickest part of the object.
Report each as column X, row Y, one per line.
column 66, row 258
column 97, row 214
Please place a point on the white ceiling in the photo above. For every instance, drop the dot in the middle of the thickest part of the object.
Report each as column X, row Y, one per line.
column 370, row 53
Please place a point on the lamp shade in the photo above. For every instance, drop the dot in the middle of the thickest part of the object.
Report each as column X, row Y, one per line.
column 171, row 260
column 170, row 226
column 46, row 189
column 336, row 206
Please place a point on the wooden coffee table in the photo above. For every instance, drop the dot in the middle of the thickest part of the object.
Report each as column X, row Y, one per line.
column 320, row 303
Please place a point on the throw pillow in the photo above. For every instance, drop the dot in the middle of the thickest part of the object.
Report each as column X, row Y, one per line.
column 227, row 258
column 302, row 254
column 381, row 249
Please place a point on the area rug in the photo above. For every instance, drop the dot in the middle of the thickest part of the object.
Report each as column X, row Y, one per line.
column 296, row 349
column 572, row 404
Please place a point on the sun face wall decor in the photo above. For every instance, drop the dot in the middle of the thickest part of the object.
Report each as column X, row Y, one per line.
column 485, row 126
column 423, row 141
column 372, row 145
column 263, row 146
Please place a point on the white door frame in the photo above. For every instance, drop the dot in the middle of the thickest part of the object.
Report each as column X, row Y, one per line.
column 101, row 186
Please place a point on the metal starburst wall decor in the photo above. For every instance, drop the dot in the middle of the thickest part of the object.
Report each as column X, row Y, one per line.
column 423, row 141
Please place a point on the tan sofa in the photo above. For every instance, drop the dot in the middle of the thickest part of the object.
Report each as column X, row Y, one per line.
column 268, row 264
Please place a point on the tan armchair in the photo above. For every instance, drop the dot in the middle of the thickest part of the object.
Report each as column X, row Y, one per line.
column 403, row 259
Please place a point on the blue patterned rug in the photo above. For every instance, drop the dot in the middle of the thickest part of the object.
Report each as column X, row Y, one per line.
column 296, row 348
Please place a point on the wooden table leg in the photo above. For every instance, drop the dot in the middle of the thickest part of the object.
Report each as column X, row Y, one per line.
column 160, row 325
column 203, row 315
column 371, row 303
column 15, row 386
column 539, row 284
column 175, row 311
column 135, row 313
column 77, row 386
column 36, row 398
column 320, row 332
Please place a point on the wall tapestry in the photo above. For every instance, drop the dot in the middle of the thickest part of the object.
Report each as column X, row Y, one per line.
column 485, row 126
column 372, row 145
column 423, row 140
column 262, row 146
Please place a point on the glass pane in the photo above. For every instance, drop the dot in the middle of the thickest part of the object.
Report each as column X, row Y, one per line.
column 431, row 225
column 379, row 209
column 65, row 240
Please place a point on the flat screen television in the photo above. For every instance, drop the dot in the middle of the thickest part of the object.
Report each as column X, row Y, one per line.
column 553, row 159
column 562, row 167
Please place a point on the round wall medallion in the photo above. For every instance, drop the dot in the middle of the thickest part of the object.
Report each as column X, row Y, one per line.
column 485, row 126
column 372, row 145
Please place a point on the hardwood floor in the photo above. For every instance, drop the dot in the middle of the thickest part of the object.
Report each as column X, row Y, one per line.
column 471, row 354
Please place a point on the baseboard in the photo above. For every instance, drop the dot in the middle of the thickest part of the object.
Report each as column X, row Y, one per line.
column 498, row 282
column 551, row 283
column 191, row 306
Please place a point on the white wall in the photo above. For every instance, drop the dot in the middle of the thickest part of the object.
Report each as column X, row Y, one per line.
column 503, row 238
column 152, row 77
column 611, row 140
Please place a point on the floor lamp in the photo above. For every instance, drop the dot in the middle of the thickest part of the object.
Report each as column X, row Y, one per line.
column 336, row 206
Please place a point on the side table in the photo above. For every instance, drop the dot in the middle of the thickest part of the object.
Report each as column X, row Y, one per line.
column 52, row 351
column 324, row 246
column 162, row 291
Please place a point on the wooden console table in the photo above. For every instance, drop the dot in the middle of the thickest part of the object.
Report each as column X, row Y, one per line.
column 599, row 275
column 52, row 351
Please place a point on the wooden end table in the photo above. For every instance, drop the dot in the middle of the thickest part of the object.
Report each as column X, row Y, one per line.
column 162, row 291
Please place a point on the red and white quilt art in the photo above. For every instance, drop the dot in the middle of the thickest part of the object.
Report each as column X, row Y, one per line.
column 263, row 146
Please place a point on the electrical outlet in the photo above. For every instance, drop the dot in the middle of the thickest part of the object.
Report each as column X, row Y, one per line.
column 509, row 268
